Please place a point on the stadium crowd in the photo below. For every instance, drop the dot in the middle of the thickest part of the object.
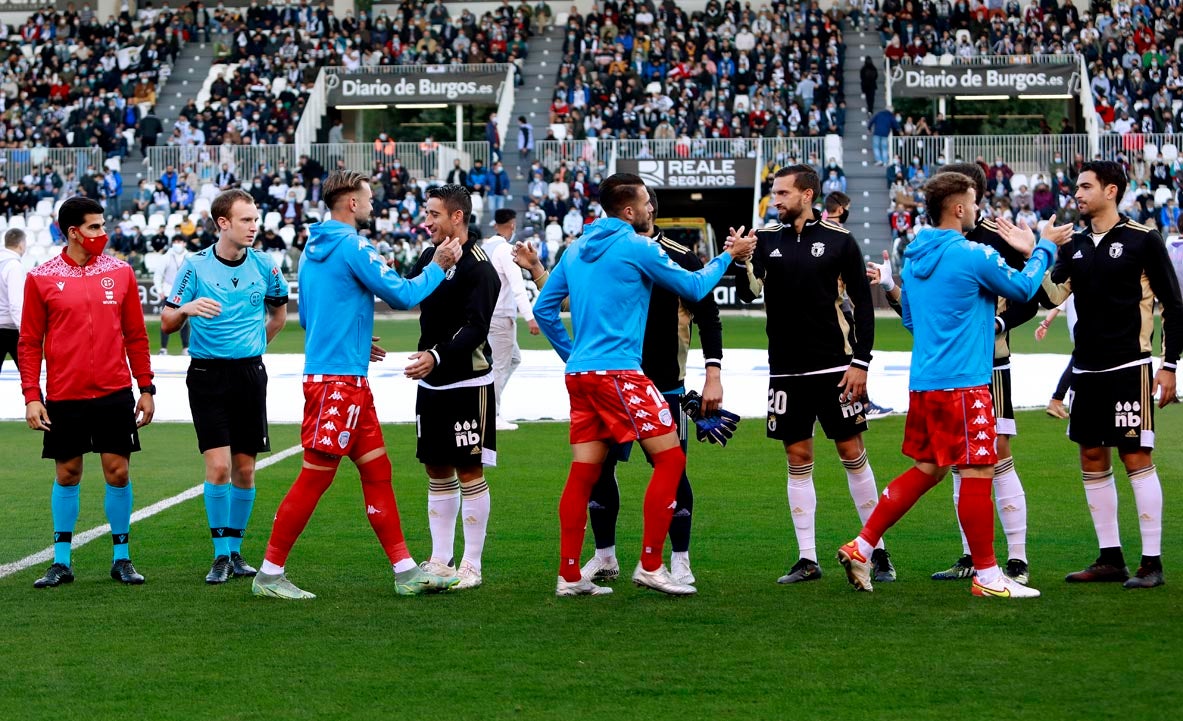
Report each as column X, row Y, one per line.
column 636, row 70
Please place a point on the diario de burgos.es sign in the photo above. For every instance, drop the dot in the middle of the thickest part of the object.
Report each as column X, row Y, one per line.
column 481, row 88
column 928, row 81
column 692, row 172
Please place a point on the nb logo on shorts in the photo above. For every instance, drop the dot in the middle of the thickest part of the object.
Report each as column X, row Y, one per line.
column 852, row 409
column 466, row 434
column 1128, row 415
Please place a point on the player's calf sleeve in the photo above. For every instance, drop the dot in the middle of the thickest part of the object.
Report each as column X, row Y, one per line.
column 660, row 499
column 217, row 512
column 117, row 503
column 474, row 512
column 1148, row 499
column 897, row 499
column 64, row 505
column 604, row 506
column 683, row 515
column 242, row 502
column 1100, row 492
column 381, row 507
column 573, row 516
column 973, row 509
column 297, row 506
column 443, row 506
column 860, row 479
column 803, row 509
column 957, row 497
column 1011, row 502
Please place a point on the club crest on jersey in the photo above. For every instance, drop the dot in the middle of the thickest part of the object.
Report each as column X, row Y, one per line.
column 817, row 249
column 343, row 439
column 665, row 417
column 108, row 283
column 771, row 421
column 1115, row 250
column 450, row 274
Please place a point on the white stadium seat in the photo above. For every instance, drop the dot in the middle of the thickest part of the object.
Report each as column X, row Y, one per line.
column 155, row 221
column 45, row 207
column 288, row 233
column 1162, row 195
column 138, row 220
column 272, row 221
column 1019, row 179
column 44, row 238
column 1170, row 153
column 1150, row 152
column 35, row 223
column 17, row 221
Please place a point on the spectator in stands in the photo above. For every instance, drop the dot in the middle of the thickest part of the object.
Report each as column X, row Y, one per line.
column 499, row 190
column 882, row 124
column 525, row 137
column 457, row 175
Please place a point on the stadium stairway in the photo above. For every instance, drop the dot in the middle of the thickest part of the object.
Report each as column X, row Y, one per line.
column 532, row 99
column 866, row 183
column 188, row 74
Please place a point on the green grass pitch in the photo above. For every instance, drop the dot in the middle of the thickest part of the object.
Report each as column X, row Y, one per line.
column 744, row 648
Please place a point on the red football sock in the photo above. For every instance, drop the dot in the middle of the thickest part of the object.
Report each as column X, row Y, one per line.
column 896, row 500
column 573, row 516
column 297, row 506
column 660, row 499
column 382, row 508
column 976, row 513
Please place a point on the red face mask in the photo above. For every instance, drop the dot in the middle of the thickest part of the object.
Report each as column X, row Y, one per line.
column 94, row 245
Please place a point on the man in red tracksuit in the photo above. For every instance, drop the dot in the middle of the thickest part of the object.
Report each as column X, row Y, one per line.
column 82, row 314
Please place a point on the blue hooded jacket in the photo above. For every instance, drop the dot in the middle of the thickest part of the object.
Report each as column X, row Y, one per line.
column 340, row 273
column 609, row 274
column 949, row 287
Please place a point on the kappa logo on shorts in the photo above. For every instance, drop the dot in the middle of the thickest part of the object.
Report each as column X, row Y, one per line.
column 329, row 426
column 336, row 396
column 648, row 427
column 665, row 417
column 635, row 400
column 343, row 439
column 1128, row 415
column 978, row 405
column 466, row 434
column 332, row 411
column 642, row 414
column 982, row 436
column 981, row 451
column 326, row 441
column 630, row 386
column 980, row 421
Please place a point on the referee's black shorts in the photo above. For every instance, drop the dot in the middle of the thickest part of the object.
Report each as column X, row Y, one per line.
column 228, row 399
column 97, row 425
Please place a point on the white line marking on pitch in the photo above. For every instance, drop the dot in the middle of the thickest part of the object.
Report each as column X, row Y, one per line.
column 81, row 539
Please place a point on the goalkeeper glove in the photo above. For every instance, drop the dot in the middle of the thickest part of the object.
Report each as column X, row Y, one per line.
column 717, row 428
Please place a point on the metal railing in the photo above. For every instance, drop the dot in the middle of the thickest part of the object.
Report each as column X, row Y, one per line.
column 1025, row 154
column 16, row 163
column 597, row 154
column 979, row 60
column 1150, row 145
column 245, row 161
column 404, row 69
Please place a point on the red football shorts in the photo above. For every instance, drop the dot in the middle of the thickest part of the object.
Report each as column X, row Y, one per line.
column 619, row 405
column 339, row 416
column 951, row 428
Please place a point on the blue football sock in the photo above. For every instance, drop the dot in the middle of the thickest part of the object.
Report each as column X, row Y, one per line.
column 217, row 510
column 117, row 504
column 242, row 500
column 63, row 503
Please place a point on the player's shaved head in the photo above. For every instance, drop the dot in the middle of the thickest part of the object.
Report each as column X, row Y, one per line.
column 341, row 183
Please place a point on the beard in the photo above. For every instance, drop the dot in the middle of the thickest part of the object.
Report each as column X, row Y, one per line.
column 643, row 228
column 788, row 216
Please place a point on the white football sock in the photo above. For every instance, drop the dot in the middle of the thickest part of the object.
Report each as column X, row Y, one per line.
column 861, row 481
column 270, row 568
column 1148, row 499
column 475, row 512
column 443, row 505
column 986, row 576
column 956, row 498
column 404, row 565
column 606, row 552
column 1101, row 494
column 802, row 507
column 1011, row 502
column 680, row 556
